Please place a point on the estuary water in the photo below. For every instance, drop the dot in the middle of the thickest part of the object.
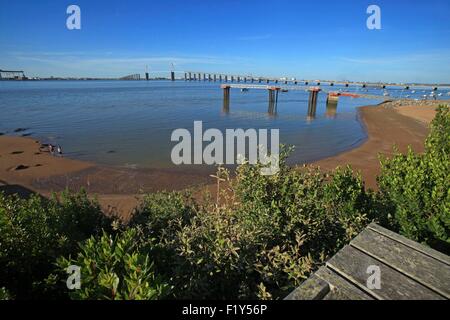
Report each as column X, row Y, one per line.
column 129, row 123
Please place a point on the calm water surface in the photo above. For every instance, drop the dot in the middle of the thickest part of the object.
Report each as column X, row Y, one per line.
column 129, row 123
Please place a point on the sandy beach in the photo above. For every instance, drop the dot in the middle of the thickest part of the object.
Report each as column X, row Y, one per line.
column 24, row 168
column 387, row 127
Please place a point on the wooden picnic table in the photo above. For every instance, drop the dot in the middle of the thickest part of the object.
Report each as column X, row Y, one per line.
column 407, row 271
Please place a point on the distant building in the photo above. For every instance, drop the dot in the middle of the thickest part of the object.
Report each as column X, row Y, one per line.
column 131, row 77
column 12, row 75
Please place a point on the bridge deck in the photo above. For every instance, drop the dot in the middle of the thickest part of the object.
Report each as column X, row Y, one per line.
column 408, row 271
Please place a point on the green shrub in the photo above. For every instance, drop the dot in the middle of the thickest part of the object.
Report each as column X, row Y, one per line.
column 115, row 268
column 4, row 294
column 266, row 236
column 417, row 187
column 34, row 232
column 161, row 213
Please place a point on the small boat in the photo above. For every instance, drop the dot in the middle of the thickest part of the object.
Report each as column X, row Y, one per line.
column 386, row 94
column 244, row 90
column 284, row 90
column 414, row 91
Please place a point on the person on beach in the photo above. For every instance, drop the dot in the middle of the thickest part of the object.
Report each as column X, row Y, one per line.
column 59, row 150
column 51, row 148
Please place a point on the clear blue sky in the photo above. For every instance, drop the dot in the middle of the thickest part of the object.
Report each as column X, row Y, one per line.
column 304, row 39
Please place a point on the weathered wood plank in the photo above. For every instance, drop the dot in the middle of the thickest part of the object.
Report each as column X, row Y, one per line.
column 410, row 243
column 422, row 268
column 336, row 294
column 352, row 264
column 313, row 288
column 341, row 289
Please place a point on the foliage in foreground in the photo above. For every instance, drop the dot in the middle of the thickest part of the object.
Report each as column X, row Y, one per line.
column 267, row 234
column 114, row 268
column 417, row 187
column 4, row 294
column 35, row 232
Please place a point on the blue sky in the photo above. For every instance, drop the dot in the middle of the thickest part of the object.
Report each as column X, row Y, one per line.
column 304, row 39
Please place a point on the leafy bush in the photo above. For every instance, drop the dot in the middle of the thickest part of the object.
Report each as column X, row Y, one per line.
column 4, row 294
column 160, row 213
column 265, row 236
column 417, row 187
column 34, row 232
column 115, row 268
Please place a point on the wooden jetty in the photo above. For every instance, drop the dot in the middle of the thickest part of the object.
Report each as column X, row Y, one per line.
column 407, row 270
column 287, row 88
column 332, row 96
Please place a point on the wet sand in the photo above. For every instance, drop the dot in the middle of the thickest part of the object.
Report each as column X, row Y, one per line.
column 36, row 164
column 423, row 114
column 386, row 126
column 24, row 167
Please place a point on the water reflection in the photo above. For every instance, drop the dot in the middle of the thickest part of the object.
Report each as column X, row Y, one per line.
column 273, row 102
column 312, row 104
column 332, row 102
column 226, row 106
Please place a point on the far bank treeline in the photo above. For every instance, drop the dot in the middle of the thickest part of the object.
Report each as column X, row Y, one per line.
column 258, row 240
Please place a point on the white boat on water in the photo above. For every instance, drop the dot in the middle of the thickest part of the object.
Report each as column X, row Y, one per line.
column 386, row 94
column 414, row 91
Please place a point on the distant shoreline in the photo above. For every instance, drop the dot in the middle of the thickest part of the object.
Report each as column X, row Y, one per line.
column 354, row 83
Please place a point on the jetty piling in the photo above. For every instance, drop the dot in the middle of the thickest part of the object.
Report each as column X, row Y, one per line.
column 312, row 103
column 273, row 99
column 331, row 105
column 226, row 98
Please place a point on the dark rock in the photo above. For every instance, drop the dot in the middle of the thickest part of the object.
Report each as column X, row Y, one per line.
column 20, row 129
column 19, row 167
